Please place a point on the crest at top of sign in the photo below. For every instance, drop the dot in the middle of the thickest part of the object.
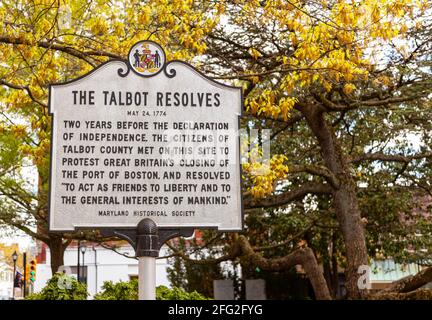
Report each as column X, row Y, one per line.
column 146, row 58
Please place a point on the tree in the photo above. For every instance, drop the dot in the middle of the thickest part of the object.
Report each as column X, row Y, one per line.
column 47, row 42
column 6, row 254
column 311, row 64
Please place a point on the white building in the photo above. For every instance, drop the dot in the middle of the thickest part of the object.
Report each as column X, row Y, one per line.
column 6, row 280
column 100, row 264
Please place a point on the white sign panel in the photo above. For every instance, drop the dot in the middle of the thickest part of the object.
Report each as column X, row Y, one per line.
column 159, row 142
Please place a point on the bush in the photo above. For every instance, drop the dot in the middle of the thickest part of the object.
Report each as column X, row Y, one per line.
column 129, row 291
column 119, row 291
column 61, row 287
column 64, row 287
column 164, row 293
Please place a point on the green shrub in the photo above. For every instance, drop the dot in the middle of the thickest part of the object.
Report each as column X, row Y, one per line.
column 164, row 293
column 123, row 290
column 129, row 291
column 61, row 287
column 64, row 287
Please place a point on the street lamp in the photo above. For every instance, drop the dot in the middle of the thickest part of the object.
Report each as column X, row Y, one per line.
column 83, row 249
column 14, row 258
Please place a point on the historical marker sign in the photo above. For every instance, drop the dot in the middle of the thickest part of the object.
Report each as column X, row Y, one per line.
column 159, row 142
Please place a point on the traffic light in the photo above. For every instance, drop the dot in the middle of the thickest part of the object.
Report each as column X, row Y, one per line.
column 32, row 273
column 27, row 273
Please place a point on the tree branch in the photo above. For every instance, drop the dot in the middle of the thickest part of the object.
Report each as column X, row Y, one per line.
column 332, row 106
column 25, row 88
column 27, row 230
column 406, row 286
column 379, row 156
column 58, row 47
column 318, row 171
column 114, row 249
column 288, row 196
column 287, row 241
column 301, row 256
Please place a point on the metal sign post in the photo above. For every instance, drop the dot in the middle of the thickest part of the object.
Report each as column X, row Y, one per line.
column 147, row 250
column 147, row 239
column 146, row 278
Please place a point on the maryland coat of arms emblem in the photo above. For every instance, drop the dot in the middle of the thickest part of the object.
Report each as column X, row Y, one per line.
column 146, row 58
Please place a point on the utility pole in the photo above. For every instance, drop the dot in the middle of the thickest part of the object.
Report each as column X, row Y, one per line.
column 78, row 264
column 25, row 273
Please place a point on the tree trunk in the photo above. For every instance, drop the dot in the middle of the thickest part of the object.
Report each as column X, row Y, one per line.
column 408, row 288
column 57, row 249
column 420, row 294
column 344, row 198
column 328, row 276
column 335, row 274
column 301, row 256
column 327, row 266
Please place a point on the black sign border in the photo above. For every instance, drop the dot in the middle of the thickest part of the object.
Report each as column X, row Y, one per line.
column 169, row 73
